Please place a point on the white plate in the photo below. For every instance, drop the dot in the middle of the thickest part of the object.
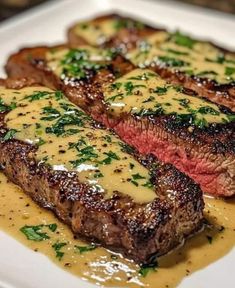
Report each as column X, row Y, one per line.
column 19, row 266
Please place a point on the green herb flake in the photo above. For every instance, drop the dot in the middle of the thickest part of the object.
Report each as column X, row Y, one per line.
column 52, row 227
column 131, row 165
column 184, row 102
column 145, row 269
column 126, row 148
column 57, row 247
column 183, row 40
column 111, row 156
column 115, row 86
column 40, row 142
column 229, row 71
column 9, row 135
column 208, row 110
column 98, row 175
column 137, row 176
column 37, row 95
column 77, row 63
column 34, row 233
column 58, row 95
column 172, row 62
column 160, row 90
column 83, row 249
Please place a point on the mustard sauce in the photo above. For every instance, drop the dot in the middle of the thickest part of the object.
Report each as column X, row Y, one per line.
column 106, row 268
column 181, row 53
column 142, row 92
column 67, row 141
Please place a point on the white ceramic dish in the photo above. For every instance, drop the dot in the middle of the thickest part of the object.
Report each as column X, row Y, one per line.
column 19, row 266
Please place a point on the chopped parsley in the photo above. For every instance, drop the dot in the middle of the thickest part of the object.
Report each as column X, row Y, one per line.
column 77, row 63
column 229, row 71
column 145, row 269
column 57, row 247
column 9, row 135
column 83, row 249
column 5, row 108
column 110, row 156
column 172, row 62
column 160, row 90
column 115, row 85
column 37, row 95
column 35, row 233
column 85, row 154
column 183, row 40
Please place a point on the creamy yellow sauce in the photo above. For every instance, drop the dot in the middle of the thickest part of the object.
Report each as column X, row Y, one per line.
column 59, row 60
column 143, row 92
column 96, row 154
column 96, row 32
column 108, row 269
column 184, row 54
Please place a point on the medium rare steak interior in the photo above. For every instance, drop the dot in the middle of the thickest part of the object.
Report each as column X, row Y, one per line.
column 101, row 187
column 197, row 65
column 153, row 115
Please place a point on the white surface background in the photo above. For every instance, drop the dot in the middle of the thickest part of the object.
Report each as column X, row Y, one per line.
column 19, row 266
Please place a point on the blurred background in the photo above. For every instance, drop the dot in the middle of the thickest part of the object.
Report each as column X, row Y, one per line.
column 9, row 8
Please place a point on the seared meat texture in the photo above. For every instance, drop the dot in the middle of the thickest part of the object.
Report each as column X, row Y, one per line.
column 198, row 140
column 142, row 230
column 198, row 65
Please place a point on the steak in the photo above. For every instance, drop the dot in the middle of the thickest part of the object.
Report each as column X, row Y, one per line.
column 198, row 139
column 197, row 65
column 110, row 30
column 141, row 228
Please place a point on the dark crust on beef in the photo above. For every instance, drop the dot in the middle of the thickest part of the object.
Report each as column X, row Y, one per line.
column 196, row 144
column 140, row 231
column 88, row 93
column 223, row 94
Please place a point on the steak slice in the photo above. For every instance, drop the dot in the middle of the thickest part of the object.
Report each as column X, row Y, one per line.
column 110, row 30
column 192, row 133
column 197, row 65
column 128, row 202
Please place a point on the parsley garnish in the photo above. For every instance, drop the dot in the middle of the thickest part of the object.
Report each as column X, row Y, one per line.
column 172, row 62
column 229, row 71
column 145, row 269
column 57, row 247
column 77, row 63
column 83, row 249
column 110, row 156
column 183, row 40
column 9, row 135
column 37, row 95
column 160, row 90
column 35, row 233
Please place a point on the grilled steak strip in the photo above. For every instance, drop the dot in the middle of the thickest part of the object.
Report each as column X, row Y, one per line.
column 197, row 65
column 140, row 230
column 110, row 30
column 205, row 153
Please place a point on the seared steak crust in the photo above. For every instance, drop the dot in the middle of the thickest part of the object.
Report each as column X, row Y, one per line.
column 140, row 231
column 207, row 154
column 126, row 39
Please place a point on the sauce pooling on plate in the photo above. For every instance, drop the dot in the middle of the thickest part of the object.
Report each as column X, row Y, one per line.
column 40, row 230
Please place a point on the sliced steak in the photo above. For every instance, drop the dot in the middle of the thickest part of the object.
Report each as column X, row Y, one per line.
column 192, row 133
column 198, row 65
column 66, row 163
column 109, row 31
